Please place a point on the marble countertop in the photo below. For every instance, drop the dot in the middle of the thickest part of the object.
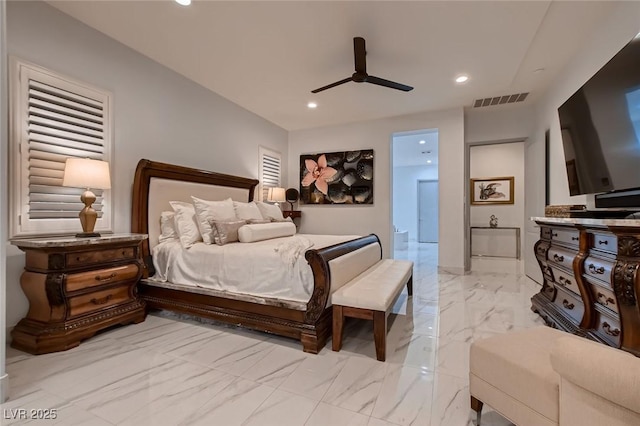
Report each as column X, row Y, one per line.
column 73, row 241
column 587, row 221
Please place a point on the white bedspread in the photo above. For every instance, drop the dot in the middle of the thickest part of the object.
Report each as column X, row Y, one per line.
column 272, row 268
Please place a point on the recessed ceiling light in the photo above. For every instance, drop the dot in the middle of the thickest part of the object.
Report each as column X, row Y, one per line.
column 429, row 161
column 422, row 142
column 183, row 2
column 462, row 79
column 312, row 105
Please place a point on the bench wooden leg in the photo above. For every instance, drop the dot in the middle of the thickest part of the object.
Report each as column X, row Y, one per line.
column 380, row 334
column 476, row 405
column 338, row 325
column 410, row 286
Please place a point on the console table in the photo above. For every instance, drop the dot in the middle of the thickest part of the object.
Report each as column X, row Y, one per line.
column 591, row 278
column 500, row 228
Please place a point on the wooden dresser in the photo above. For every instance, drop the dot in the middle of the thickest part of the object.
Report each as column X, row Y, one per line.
column 76, row 287
column 591, row 280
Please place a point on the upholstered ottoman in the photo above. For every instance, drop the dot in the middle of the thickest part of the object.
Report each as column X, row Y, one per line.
column 512, row 373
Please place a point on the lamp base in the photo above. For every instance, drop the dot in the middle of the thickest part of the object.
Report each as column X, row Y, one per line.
column 87, row 234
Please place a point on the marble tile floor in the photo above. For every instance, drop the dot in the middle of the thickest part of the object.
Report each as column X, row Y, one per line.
column 180, row 371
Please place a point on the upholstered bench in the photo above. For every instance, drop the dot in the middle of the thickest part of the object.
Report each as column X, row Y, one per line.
column 512, row 373
column 370, row 296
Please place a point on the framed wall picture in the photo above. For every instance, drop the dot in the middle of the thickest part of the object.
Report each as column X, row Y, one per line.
column 344, row 177
column 498, row 190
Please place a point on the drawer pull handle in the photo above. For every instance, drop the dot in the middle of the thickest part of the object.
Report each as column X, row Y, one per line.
column 607, row 329
column 603, row 242
column 124, row 253
column 606, row 301
column 563, row 281
column 101, row 301
column 558, row 258
column 574, row 238
column 107, row 278
column 553, row 234
column 594, row 270
column 568, row 305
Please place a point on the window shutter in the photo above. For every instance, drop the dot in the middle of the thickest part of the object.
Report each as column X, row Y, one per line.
column 55, row 118
column 270, row 171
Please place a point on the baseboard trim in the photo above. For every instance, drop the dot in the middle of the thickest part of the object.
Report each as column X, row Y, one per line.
column 4, row 388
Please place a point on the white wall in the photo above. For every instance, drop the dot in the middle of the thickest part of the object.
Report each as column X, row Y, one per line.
column 613, row 33
column 377, row 134
column 4, row 387
column 498, row 160
column 158, row 114
column 498, row 123
column 405, row 196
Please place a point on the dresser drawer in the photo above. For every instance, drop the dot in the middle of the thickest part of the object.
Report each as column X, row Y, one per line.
column 98, row 277
column 566, row 236
column 569, row 305
column 599, row 268
column 102, row 299
column 608, row 327
column 561, row 256
column 605, row 297
column 567, row 281
column 99, row 256
column 604, row 242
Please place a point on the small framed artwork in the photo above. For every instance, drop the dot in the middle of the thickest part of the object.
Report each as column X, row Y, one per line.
column 498, row 190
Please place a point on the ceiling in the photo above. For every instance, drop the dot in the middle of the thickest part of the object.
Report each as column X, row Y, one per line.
column 418, row 148
column 268, row 56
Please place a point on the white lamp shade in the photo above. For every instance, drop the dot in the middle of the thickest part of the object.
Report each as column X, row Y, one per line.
column 86, row 173
column 276, row 195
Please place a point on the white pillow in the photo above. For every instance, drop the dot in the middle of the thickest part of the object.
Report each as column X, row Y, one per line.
column 270, row 211
column 186, row 226
column 247, row 211
column 265, row 231
column 208, row 211
column 167, row 227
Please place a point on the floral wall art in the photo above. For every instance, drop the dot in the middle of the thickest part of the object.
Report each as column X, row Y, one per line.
column 337, row 177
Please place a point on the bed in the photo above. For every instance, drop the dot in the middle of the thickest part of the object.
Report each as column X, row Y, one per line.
column 307, row 318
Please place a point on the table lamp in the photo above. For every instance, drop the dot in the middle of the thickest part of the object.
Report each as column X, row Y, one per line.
column 276, row 195
column 87, row 173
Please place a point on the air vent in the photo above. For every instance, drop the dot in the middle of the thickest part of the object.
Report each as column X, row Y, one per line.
column 500, row 100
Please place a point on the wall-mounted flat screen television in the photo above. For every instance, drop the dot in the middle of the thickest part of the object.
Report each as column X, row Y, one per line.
column 600, row 126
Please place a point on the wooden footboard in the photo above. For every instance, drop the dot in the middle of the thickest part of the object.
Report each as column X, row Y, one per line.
column 312, row 326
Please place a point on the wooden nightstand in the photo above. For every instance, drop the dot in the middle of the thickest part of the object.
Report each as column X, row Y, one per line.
column 293, row 214
column 76, row 287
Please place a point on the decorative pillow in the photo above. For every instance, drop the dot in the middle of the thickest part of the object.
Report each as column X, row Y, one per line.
column 207, row 211
column 247, row 211
column 284, row 219
column 253, row 233
column 226, row 232
column 270, row 211
column 185, row 221
column 167, row 227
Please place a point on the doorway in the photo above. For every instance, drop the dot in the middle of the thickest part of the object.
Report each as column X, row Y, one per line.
column 414, row 189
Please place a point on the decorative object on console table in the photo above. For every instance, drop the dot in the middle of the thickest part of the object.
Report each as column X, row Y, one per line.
column 87, row 173
column 493, row 221
column 497, row 190
column 591, row 279
column 77, row 287
column 337, row 178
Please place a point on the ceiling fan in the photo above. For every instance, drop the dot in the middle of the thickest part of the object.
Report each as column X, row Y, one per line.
column 361, row 76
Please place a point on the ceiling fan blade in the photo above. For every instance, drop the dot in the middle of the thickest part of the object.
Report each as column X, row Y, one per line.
column 360, row 55
column 329, row 86
column 388, row 83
